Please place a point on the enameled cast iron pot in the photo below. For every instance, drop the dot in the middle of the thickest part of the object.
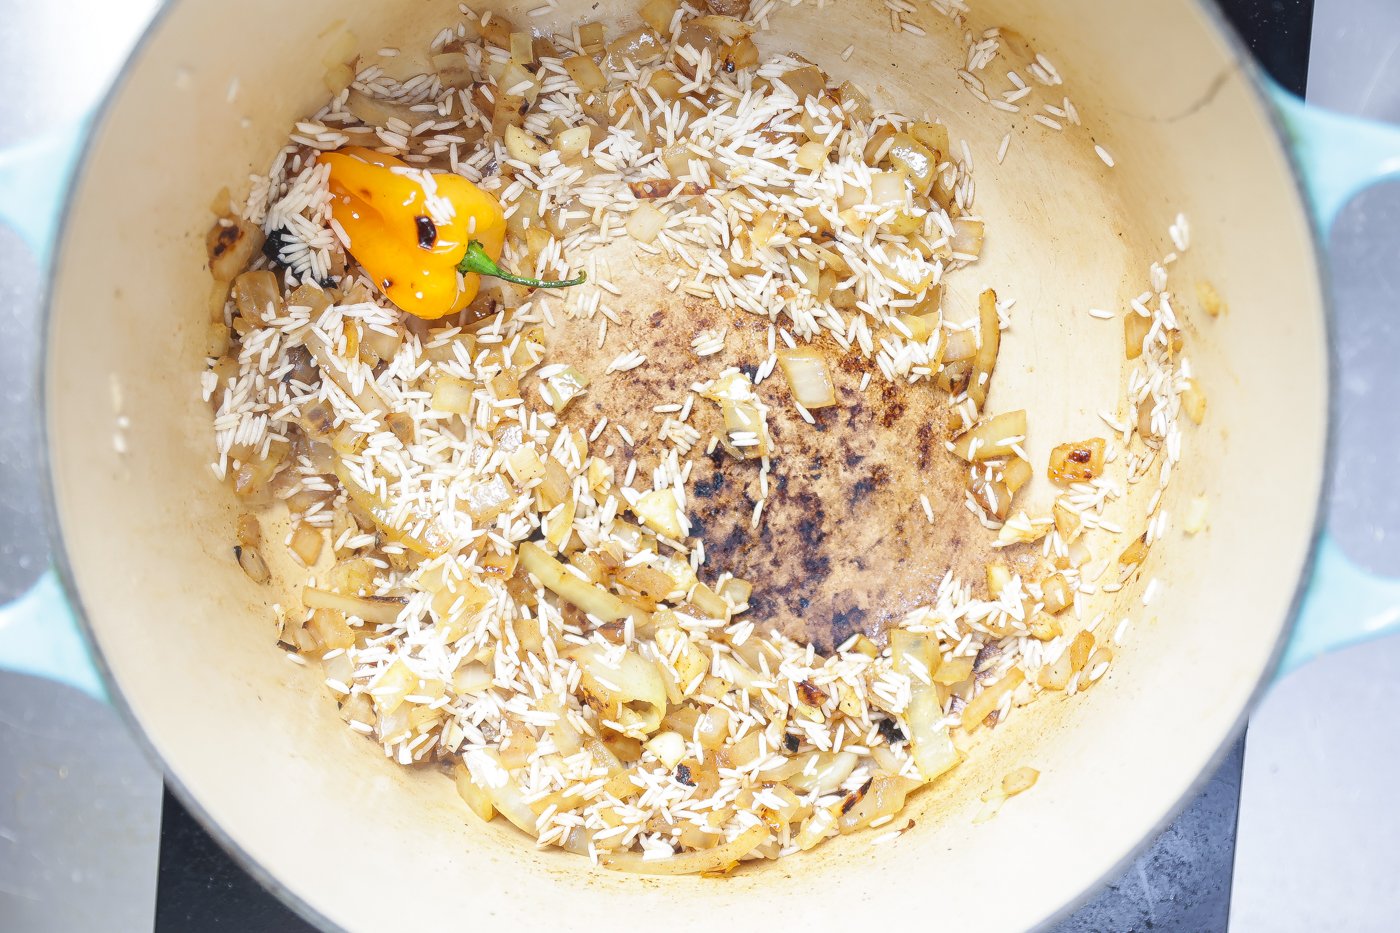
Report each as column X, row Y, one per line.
column 251, row 744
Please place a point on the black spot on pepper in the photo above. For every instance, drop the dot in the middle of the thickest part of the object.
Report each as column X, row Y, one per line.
column 427, row 232
column 683, row 775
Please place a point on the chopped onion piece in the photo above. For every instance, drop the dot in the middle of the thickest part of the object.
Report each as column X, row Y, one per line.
column 476, row 798
column 381, row 610
column 967, row 237
column 721, row 858
column 573, row 141
column 586, row 73
column 645, row 223
column 993, row 438
column 809, row 376
column 589, row 597
column 1077, row 462
column 660, row 512
column 986, row 702
column 523, row 147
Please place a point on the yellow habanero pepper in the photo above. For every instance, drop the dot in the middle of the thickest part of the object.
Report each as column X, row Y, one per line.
column 429, row 268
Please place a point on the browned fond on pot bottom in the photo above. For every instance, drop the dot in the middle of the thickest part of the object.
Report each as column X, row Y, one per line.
column 843, row 545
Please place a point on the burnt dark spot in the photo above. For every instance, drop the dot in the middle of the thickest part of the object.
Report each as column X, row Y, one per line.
column 697, row 527
column 705, row 488
column 656, row 318
column 810, row 694
column 765, row 536
column 277, row 241
column 427, row 232
column 850, row 363
column 737, row 536
column 302, row 370
column 803, row 603
column 846, row 623
column 749, row 370
column 894, row 405
column 879, row 475
column 854, row 459
column 890, row 731
column 815, row 565
column 226, row 239
column 758, row 606
column 791, row 743
column 856, row 797
column 1080, row 455
column 287, row 646
column 524, row 107
column 683, row 775
column 863, row 487
column 809, row 529
column 924, row 435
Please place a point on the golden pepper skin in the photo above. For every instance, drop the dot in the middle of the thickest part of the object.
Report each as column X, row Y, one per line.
column 382, row 204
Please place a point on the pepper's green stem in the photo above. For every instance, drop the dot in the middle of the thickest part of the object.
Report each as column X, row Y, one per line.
column 477, row 261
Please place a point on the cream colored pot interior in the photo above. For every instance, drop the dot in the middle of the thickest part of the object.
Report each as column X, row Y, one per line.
column 255, row 742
